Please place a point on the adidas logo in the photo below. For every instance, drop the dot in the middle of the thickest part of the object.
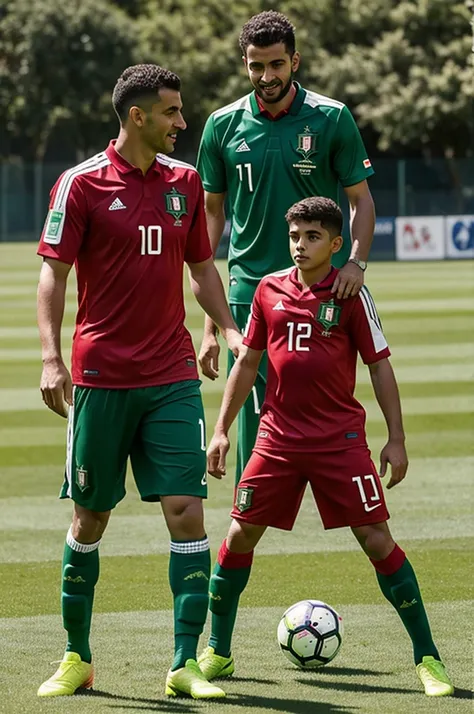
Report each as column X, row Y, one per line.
column 117, row 205
column 406, row 604
column 279, row 306
column 243, row 146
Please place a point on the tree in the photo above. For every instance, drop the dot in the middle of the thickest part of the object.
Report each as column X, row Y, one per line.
column 402, row 66
column 412, row 82
column 59, row 64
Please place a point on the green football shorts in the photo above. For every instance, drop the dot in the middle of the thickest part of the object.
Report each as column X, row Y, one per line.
column 161, row 429
column 249, row 415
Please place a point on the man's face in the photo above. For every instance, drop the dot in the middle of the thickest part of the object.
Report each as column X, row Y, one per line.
column 271, row 71
column 311, row 245
column 160, row 123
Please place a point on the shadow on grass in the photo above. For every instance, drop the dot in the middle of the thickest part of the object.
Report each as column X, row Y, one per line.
column 463, row 694
column 341, row 671
column 245, row 702
column 355, row 687
column 374, row 689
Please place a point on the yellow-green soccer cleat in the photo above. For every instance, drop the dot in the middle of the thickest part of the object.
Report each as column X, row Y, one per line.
column 434, row 678
column 71, row 675
column 213, row 666
column 191, row 681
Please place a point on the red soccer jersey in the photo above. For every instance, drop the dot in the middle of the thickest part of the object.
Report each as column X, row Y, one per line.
column 129, row 236
column 312, row 341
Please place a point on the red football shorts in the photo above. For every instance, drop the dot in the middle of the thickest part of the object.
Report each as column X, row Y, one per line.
column 345, row 486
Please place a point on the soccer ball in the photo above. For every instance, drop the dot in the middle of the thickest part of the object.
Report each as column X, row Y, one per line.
column 310, row 633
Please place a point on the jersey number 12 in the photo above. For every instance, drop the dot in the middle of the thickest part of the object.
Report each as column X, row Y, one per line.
column 303, row 332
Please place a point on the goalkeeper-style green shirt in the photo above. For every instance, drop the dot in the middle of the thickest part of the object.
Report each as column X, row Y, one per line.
column 265, row 166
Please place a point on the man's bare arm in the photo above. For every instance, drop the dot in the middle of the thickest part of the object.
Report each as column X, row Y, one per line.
column 56, row 385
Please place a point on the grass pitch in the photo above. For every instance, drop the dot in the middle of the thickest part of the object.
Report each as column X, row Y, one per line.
column 427, row 310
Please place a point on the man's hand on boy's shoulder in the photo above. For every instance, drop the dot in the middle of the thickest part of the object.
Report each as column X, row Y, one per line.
column 348, row 281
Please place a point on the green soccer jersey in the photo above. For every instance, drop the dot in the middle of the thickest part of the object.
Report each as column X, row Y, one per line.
column 265, row 166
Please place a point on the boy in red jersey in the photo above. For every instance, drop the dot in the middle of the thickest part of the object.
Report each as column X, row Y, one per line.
column 312, row 430
column 129, row 219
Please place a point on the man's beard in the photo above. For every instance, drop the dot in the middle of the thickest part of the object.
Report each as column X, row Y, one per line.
column 283, row 92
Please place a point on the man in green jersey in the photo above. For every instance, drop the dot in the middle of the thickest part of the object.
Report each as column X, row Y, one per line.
column 264, row 152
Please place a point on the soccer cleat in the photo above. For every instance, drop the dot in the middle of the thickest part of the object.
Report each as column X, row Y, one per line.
column 213, row 666
column 191, row 681
column 71, row 675
column 434, row 677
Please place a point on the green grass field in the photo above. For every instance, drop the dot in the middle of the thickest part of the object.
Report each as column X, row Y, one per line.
column 428, row 315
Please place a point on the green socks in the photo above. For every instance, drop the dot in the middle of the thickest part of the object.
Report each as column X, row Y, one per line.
column 189, row 570
column 80, row 573
column 397, row 581
column 229, row 579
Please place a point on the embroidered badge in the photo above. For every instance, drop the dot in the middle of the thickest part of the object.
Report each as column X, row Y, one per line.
column 328, row 316
column 244, row 499
column 176, row 205
column 307, row 146
column 82, row 479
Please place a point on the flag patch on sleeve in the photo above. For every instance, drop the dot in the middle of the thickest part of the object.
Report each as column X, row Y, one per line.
column 367, row 164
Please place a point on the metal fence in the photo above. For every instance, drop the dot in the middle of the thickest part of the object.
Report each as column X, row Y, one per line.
column 408, row 187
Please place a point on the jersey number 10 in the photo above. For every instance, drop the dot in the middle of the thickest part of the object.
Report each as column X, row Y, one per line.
column 151, row 240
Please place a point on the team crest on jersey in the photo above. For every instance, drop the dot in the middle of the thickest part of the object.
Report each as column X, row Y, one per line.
column 82, row 479
column 244, row 499
column 328, row 316
column 176, row 205
column 307, row 146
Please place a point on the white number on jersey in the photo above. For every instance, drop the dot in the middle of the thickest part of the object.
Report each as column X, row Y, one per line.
column 371, row 501
column 304, row 330
column 151, row 240
column 248, row 168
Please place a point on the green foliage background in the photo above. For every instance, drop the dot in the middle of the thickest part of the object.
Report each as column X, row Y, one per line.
column 404, row 67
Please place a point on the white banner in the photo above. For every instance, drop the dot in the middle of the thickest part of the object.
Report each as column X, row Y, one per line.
column 420, row 238
column 460, row 236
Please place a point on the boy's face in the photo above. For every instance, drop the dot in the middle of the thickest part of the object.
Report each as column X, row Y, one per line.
column 311, row 245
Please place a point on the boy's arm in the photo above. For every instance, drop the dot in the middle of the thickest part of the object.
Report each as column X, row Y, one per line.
column 386, row 393
column 239, row 384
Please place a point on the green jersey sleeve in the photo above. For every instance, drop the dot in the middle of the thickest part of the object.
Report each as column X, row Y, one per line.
column 350, row 160
column 210, row 162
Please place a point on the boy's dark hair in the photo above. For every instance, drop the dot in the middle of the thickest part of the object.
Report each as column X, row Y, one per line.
column 268, row 28
column 141, row 82
column 317, row 208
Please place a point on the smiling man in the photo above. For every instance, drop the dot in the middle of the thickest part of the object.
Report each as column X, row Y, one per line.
column 129, row 218
column 264, row 152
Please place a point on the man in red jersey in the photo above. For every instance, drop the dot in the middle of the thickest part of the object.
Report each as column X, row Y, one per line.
column 312, row 430
column 129, row 218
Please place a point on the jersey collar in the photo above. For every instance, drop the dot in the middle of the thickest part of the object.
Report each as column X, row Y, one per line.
column 122, row 164
column 293, row 109
column 323, row 285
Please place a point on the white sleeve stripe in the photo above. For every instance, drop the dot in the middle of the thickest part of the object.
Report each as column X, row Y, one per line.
column 247, row 326
column 67, row 180
column 380, row 343
column 60, row 200
column 367, row 297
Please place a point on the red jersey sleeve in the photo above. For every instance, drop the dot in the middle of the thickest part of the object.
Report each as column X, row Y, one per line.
column 255, row 333
column 66, row 222
column 366, row 329
column 198, row 245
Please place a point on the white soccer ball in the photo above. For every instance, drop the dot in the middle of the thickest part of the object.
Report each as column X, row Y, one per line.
column 310, row 633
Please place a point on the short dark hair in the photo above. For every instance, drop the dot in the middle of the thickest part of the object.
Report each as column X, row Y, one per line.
column 139, row 82
column 317, row 208
column 268, row 28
